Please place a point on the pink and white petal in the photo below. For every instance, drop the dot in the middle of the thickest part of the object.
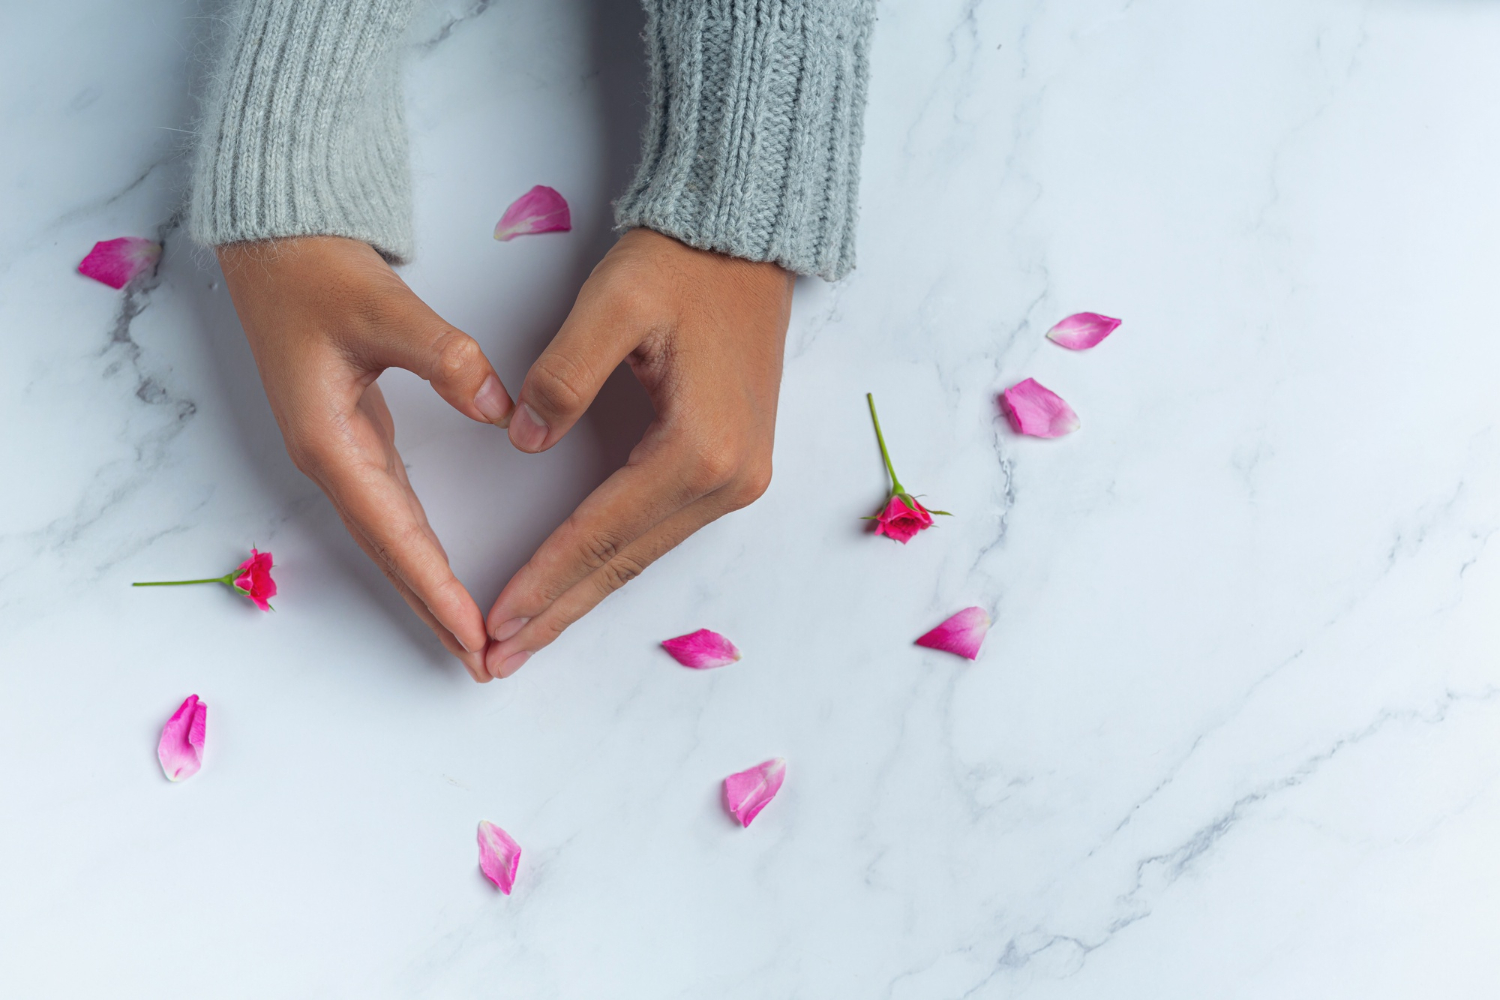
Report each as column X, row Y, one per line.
column 961, row 634
column 702, row 650
column 499, row 856
column 116, row 262
column 181, row 748
column 1081, row 331
column 748, row 792
column 540, row 210
column 1033, row 409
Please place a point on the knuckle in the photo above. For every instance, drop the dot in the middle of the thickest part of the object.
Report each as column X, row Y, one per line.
column 712, row 465
column 556, row 382
column 598, row 550
column 456, row 354
column 619, row 571
column 754, row 480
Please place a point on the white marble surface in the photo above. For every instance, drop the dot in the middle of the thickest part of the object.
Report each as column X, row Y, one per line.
column 1236, row 731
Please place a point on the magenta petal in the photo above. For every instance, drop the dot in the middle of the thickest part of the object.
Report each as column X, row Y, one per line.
column 499, row 855
column 540, row 210
column 1081, row 331
column 1034, row 409
column 702, row 649
column 747, row 793
column 960, row 634
column 181, row 748
column 115, row 262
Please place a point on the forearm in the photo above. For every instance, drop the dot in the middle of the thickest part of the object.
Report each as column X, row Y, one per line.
column 756, row 123
column 302, row 132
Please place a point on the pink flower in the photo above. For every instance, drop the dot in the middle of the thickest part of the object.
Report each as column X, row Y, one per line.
column 1036, row 410
column 747, row 793
column 1081, row 331
column 903, row 515
column 702, row 649
column 499, row 856
column 181, row 748
column 540, row 210
column 961, row 634
column 115, row 262
column 251, row 578
column 902, row 518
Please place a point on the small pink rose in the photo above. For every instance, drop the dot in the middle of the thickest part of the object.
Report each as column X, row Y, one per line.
column 702, row 650
column 961, row 634
column 251, row 578
column 1081, row 331
column 748, row 792
column 1034, row 409
column 903, row 514
column 181, row 748
column 116, row 262
column 540, row 210
column 499, row 856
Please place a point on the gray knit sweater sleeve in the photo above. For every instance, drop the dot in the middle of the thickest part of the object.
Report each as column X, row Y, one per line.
column 303, row 132
column 756, row 120
column 752, row 148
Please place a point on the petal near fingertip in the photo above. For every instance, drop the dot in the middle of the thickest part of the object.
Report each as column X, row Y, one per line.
column 702, row 650
column 499, row 856
column 540, row 210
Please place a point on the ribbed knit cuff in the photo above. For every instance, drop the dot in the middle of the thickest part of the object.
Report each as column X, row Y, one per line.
column 303, row 133
column 752, row 148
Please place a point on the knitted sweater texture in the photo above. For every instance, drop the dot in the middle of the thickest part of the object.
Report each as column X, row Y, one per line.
column 751, row 149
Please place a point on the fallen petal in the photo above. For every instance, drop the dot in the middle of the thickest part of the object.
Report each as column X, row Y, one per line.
column 747, row 793
column 1034, row 409
column 181, row 748
column 115, row 262
column 540, row 210
column 961, row 634
column 702, row 649
column 499, row 856
column 1081, row 331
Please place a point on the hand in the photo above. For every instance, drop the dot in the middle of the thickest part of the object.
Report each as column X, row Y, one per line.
column 704, row 334
column 325, row 316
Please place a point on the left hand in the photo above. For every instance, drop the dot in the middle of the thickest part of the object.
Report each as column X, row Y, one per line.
column 704, row 333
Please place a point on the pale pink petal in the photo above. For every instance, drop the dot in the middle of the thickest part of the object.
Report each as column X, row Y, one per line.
column 115, row 262
column 747, row 793
column 1034, row 409
column 702, row 649
column 499, row 855
column 1081, row 331
column 960, row 634
column 181, row 748
column 540, row 210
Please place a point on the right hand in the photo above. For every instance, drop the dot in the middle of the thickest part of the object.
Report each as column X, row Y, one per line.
column 325, row 316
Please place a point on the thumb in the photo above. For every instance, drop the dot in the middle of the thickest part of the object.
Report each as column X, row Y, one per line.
column 563, row 382
column 451, row 360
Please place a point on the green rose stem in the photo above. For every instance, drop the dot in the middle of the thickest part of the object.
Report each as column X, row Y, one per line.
column 896, row 488
column 227, row 580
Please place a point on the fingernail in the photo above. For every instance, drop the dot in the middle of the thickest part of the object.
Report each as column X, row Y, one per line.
column 527, row 429
column 514, row 662
column 510, row 628
column 492, row 401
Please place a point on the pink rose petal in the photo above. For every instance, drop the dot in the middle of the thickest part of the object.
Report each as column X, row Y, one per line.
column 499, row 856
column 540, row 210
column 115, row 262
column 1034, row 409
column 747, row 793
column 702, row 649
column 1081, row 331
column 960, row 634
column 181, row 748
